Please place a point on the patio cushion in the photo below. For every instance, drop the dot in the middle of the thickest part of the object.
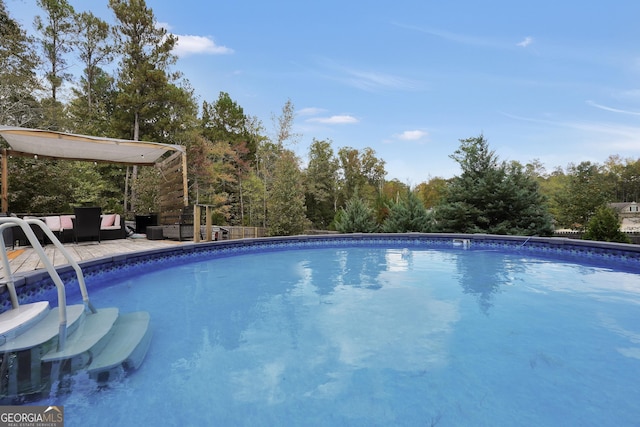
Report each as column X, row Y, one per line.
column 108, row 221
column 66, row 222
column 53, row 222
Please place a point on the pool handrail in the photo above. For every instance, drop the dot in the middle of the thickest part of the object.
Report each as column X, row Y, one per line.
column 25, row 225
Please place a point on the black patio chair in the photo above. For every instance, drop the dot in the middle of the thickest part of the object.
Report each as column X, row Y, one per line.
column 86, row 224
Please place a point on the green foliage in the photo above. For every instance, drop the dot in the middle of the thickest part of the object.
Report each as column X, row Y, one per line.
column 408, row 214
column 233, row 165
column 491, row 197
column 362, row 172
column 584, row 192
column 604, row 226
column 254, row 195
column 321, row 184
column 286, row 202
column 356, row 217
column 18, row 82
column 432, row 192
column 225, row 120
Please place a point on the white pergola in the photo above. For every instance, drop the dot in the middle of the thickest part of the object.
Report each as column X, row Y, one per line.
column 59, row 145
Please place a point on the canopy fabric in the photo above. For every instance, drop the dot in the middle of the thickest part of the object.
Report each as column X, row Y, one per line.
column 61, row 145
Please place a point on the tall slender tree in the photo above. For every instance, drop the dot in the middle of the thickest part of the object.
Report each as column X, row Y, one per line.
column 57, row 32
column 144, row 76
column 286, row 201
column 18, row 63
column 321, row 184
column 94, row 48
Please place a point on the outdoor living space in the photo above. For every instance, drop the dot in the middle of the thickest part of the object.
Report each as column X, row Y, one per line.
column 25, row 259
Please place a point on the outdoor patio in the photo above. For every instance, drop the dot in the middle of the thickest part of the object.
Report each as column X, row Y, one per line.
column 25, row 259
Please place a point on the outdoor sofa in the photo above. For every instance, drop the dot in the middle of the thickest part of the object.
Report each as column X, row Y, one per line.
column 112, row 226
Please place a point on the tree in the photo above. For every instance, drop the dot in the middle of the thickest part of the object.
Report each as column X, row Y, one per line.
column 144, row 81
column 491, row 196
column 224, row 120
column 57, row 31
column 432, row 191
column 604, row 225
column 356, row 217
column 585, row 190
column 94, row 98
column 363, row 172
column 286, row 201
column 284, row 125
column 321, row 184
column 408, row 214
column 18, row 62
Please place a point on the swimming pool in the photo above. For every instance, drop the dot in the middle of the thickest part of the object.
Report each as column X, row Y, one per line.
column 375, row 332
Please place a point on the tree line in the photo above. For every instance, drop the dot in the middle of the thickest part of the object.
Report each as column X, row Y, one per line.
column 129, row 88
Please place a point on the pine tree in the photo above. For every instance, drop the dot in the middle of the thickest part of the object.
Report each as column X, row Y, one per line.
column 356, row 217
column 605, row 226
column 408, row 214
column 491, row 196
column 18, row 62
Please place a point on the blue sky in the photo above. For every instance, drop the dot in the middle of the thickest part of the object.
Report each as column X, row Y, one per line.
column 557, row 81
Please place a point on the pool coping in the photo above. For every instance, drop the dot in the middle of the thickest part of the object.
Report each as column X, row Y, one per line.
column 31, row 285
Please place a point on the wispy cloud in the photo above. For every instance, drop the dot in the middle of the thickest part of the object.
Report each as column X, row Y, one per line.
column 411, row 135
column 457, row 37
column 310, row 111
column 526, row 42
column 613, row 110
column 193, row 45
column 333, row 120
column 369, row 80
column 602, row 135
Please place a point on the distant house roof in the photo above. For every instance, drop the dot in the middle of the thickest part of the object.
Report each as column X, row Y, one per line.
column 59, row 145
column 625, row 206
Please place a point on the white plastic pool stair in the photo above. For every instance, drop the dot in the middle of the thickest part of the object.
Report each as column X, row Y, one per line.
column 41, row 346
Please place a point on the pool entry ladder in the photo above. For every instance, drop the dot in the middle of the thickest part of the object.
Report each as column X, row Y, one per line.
column 41, row 348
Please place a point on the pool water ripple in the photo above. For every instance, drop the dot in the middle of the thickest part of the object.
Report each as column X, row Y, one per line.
column 375, row 336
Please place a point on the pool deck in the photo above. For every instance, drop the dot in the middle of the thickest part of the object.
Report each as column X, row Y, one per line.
column 25, row 259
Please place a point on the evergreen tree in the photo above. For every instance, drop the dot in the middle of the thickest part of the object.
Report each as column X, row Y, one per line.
column 356, row 217
column 408, row 214
column 57, row 33
column 94, row 98
column 604, row 226
column 491, row 196
column 18, row 62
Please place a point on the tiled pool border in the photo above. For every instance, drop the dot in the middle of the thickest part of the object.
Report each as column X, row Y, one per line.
column 32, row 286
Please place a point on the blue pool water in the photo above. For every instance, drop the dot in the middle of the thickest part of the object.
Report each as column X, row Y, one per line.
column 369, row 336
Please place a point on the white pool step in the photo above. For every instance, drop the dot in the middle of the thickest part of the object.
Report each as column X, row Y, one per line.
column 17, row 320
column 91, row 336
column 46, row 329
column 106, row 344
column 127, row 347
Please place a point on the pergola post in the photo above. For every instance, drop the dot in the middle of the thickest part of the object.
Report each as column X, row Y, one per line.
column 5, row 181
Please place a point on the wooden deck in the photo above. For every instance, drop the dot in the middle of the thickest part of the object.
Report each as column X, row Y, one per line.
column 25, row 259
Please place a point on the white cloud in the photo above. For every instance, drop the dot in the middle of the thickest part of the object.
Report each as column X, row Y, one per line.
column 339, row 119
column 411, row 135
column 371, row 80
column 190, row 45
column 311, row 111
column 526, row 42
column 613, row 110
